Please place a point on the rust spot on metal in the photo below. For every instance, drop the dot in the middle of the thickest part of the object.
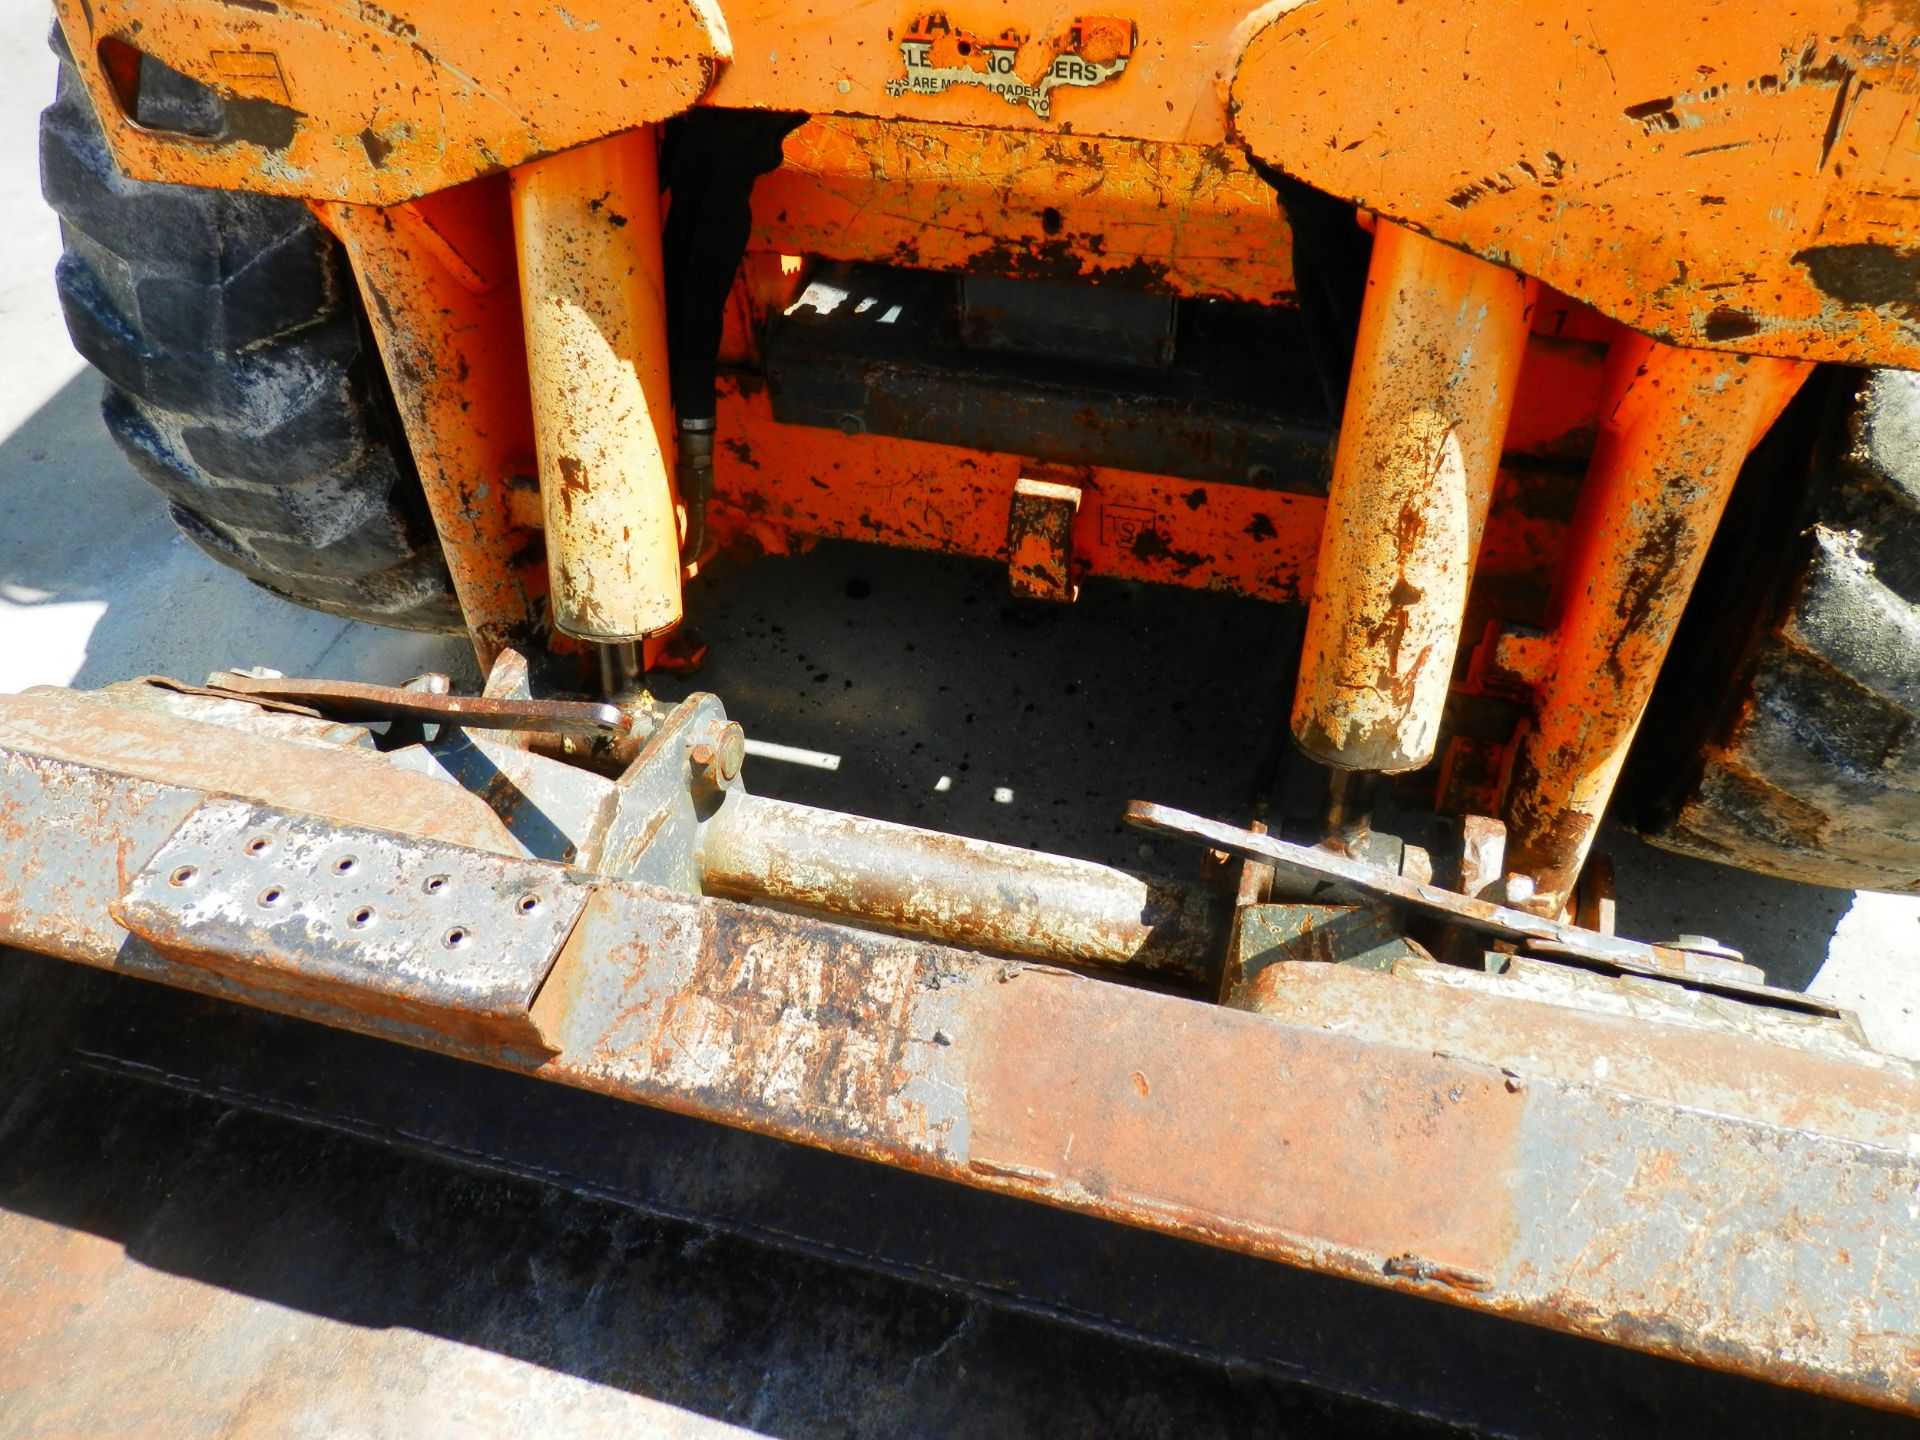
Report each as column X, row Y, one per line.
column 597, row 361
column 1040, row 521
column 1682, row 424
column 1233, row 1151
column 1657, row 563
column 439, row 279
column 1412, row 1267
column 1558, row 837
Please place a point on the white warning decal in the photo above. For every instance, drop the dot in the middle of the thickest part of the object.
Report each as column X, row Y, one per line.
column 1013, row 65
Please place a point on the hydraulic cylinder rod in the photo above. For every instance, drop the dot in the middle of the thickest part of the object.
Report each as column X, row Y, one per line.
column 587, row 223
column 1435, row 364
column 1676, row 426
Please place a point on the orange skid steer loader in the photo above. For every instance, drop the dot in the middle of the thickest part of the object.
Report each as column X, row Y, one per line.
column 1495, row 338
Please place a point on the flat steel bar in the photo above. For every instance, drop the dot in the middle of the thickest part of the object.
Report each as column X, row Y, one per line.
column 1632, row 956
column 1746, row 1244
column 352, row 700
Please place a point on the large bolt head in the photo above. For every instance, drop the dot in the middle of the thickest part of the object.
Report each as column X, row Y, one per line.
column 733, row 750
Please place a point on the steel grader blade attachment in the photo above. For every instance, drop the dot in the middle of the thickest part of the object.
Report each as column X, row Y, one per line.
column 1619, row 1141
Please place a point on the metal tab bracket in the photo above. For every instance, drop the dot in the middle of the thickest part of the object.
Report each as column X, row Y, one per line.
column 452, row 939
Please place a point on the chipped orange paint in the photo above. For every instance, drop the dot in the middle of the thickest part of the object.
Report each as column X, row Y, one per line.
column 444, row 304
column 587, row 224
column 372, row 103
column 442, row 293
column 1748, row 184
column 778, row 485
column 1677, row 426
column 1040, row 562
column 1186, row 219
column 850, row 59
column 1743, row 178
column 1776, row 148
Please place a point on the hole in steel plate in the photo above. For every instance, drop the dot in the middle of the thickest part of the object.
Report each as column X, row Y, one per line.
column 184, row 875
column 362, row 917
column 344, row 865
column 528, row 904
column 435, row 884
column 456, row 937
column 271, row 895
column 258, row 845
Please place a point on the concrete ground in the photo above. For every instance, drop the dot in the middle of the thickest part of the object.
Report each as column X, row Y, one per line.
column 948, row 706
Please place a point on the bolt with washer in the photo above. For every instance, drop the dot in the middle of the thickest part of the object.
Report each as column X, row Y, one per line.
column 733, row 750
column 718, row 761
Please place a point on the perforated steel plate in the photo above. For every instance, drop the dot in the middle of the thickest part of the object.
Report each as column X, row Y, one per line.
column 387, row 925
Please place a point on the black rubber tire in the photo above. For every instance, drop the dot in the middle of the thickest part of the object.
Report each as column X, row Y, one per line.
column 242, row 382
column 1785, row 736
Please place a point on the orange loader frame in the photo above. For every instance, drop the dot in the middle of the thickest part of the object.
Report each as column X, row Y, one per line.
column 1778, row 168
column 1638, row 222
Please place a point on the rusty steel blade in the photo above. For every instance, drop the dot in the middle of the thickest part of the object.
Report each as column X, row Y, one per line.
column 1701, row 1194
column 1552, row 938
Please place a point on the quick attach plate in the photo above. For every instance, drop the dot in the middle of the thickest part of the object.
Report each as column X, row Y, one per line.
column 383, row 926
